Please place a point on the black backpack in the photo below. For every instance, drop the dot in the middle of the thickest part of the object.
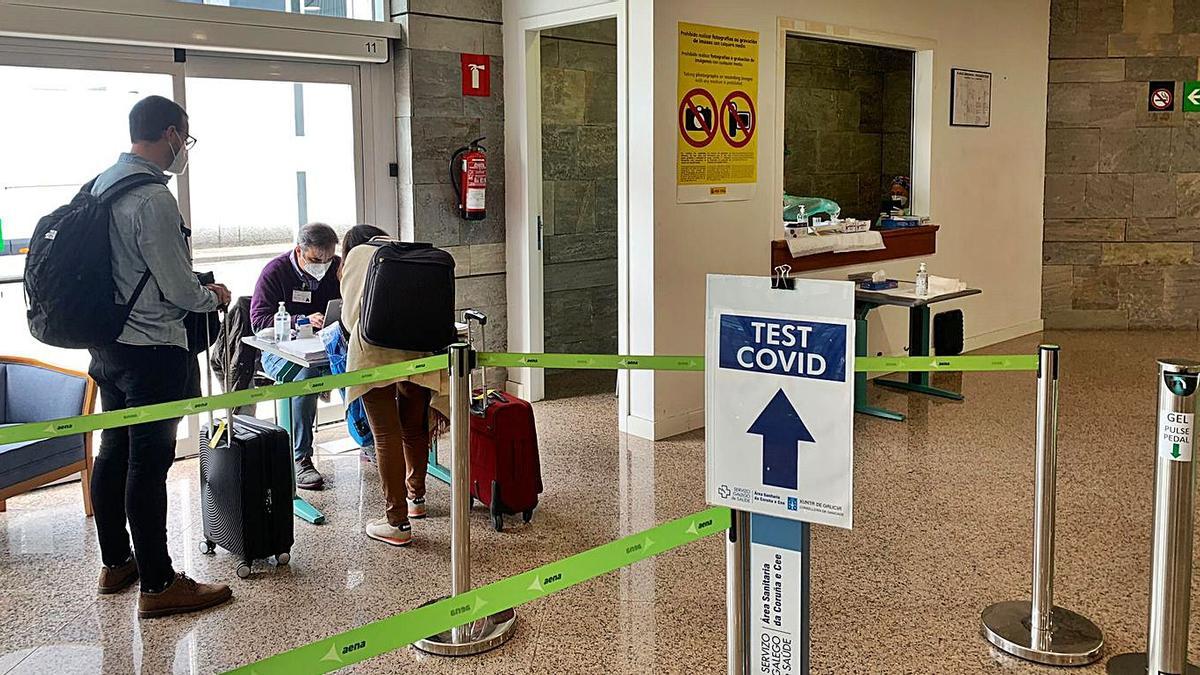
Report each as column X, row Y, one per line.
column 69, row 287
column 408, row 297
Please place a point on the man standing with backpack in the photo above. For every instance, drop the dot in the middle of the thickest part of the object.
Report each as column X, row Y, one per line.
column 149, row 361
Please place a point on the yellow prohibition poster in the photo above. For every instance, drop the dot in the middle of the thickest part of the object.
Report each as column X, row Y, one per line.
column 717, row 142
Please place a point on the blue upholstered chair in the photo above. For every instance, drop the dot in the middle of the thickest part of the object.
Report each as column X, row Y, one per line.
column 32, row 391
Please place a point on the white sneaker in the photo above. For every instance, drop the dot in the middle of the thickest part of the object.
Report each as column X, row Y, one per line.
column 416, row 508
column 382, row 530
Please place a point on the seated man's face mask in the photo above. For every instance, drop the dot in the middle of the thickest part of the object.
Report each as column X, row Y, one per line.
column 317, row 269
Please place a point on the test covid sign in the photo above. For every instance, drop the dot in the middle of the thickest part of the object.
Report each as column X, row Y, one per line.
column 780, row 401
column 783, row 346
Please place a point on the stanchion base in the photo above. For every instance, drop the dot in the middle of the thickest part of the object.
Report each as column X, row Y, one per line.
column 1072, row 640
column 481, row 636
column 1138, row 664
column 306, row 511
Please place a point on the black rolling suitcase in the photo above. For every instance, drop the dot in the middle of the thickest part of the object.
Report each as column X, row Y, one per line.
column 246, row 489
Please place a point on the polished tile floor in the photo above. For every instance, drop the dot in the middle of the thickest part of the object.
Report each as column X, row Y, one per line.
column 942, row 525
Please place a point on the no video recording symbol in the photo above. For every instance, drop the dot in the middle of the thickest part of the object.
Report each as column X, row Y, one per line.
column 738, row 119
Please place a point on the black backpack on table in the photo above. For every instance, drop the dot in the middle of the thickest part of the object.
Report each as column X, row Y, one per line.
column 69, row 287
column 408, row 297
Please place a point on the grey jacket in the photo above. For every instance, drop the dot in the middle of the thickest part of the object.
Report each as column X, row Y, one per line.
column 148, row 232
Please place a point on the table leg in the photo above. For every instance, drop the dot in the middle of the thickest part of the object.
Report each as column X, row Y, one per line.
column 918, row 345
column 300, row 508
column 436, row 469
column 860, row 379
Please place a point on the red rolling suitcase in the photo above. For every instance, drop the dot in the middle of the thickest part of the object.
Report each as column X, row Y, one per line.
column 506, row 472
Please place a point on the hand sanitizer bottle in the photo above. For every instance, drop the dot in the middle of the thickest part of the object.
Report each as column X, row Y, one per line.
column 283, row 324
column 922, row 282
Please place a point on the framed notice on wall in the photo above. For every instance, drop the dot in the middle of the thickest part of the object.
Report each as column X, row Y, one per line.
column 970, row 98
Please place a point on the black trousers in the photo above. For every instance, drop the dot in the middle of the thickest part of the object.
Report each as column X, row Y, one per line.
column 129, row 477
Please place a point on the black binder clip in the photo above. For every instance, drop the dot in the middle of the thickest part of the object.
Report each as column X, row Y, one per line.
column 781, row 281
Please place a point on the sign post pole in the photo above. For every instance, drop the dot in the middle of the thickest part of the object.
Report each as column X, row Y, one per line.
column 1037, row 630
column 1171, row 559
column 737, row 598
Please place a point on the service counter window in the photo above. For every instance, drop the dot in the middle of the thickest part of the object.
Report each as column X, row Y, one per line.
column 848, row 149
column 847, row 123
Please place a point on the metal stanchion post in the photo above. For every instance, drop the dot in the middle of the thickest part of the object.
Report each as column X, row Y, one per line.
column 1037, row 630
column 491, row 631
column 737, row 598
column 1171, row 559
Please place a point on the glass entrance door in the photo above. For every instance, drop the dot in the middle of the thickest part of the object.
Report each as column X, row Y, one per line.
column 281, row 143
column 65, row 119
column 278, row 148
column 50, row 150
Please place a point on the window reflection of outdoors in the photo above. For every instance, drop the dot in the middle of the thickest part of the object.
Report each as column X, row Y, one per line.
column 349, row 9
column 275, row 155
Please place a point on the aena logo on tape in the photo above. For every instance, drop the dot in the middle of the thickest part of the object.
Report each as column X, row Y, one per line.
column 808, row 349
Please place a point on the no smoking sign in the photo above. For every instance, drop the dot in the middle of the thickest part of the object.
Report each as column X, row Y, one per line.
column 1161, row 96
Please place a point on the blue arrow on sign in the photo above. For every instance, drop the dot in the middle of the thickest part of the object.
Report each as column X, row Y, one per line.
column 781, row 429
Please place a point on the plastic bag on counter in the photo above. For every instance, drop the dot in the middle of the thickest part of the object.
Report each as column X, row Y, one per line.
column 800, row 209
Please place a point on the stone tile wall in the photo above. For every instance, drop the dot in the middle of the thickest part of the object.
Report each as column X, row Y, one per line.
column 433, row 120
column 579, row 202
column 1122, row 208
column 848, row 122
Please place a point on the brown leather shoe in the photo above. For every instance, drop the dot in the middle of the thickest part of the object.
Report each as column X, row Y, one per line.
column 183, row 595
column 117, row 579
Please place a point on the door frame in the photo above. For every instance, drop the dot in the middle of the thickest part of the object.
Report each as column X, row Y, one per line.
column 526, row 297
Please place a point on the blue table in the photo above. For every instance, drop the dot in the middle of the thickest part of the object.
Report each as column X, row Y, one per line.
column 918, row 342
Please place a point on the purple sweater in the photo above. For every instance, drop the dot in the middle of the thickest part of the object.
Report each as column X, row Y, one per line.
column 281, row 281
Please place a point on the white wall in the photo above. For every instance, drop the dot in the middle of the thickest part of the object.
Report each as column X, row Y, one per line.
column 985, row 184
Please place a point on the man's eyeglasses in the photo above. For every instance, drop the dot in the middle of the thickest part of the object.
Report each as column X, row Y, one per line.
column 189, row 142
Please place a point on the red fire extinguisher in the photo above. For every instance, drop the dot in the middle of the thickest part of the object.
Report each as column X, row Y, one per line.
column 468, row 175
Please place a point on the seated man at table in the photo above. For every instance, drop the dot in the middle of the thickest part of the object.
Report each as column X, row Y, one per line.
column 304, row 279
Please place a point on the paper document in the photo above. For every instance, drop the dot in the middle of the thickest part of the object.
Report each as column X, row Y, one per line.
column 834, row 242
column 308, row 348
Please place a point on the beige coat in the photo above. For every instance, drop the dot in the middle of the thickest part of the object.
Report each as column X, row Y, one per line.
column 360, row 354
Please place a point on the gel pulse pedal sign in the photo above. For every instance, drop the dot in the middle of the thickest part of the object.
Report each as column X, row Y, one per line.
column 779, row 413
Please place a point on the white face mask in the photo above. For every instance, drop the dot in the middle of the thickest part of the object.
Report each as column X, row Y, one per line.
column 180, row 162
column 317, row 270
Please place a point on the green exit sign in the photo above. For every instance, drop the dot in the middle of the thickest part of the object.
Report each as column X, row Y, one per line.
column 1191, row 96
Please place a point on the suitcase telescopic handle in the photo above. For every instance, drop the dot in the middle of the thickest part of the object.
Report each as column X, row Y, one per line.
column 225, row 379
column 475, row 316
